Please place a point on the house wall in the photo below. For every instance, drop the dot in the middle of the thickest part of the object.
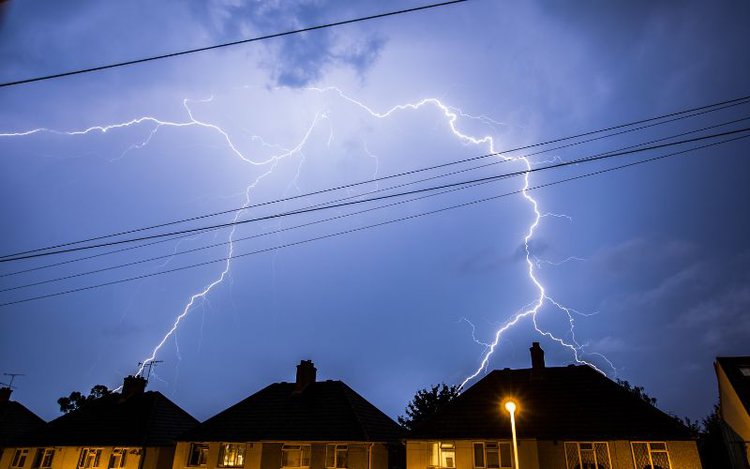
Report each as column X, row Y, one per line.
column 734, row 414
column 66, row 457
column 418, row 454
column 547, row 454
column 267, row 455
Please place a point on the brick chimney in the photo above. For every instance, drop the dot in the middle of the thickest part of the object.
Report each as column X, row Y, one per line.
column 537, row 357
column 306, row 373
column 5, row 394
column 133, row 386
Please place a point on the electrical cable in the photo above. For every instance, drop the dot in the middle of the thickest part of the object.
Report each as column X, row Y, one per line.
column 677, row 115
column 372, row 199
column 227, row 44
column 223, row 243
column 366, row 227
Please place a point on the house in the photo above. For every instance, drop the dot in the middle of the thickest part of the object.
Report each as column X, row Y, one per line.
column 134, row 429
column 733, row 375
column 15, row 419
column 566, row 417
column 305, row 424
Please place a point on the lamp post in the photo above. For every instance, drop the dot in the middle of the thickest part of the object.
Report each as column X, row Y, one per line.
column 510, row 406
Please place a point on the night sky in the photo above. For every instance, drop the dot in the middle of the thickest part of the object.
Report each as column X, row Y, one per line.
column 654, row 260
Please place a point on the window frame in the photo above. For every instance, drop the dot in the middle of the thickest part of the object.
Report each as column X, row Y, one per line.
column 302, row 448
column 42, row 455
column 123, row 456
column 19, row 457
column 240, row 454
column 498, row 444
column 650, row 451
column 202, row 449
column 438, row 449
column 335, row 450
column 608, row 463
column 84, row 455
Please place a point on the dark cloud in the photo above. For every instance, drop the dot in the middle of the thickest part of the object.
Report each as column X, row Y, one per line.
column 301, row 59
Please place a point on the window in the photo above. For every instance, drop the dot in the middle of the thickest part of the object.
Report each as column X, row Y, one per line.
column 493, row 455
column 19, row 457
column 587, row 455
column 117, row 458
column 295, row 456
column 89, row 457
column 336, row 456
column 198, row 454
column 44, row 457
column 443, row 455
column 232, row 455
column 650, row 455
column 745, row 370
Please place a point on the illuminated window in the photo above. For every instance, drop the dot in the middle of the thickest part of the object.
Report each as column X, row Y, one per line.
column 336, row 456
column 117, row 458
column 492, row 455
column 19, row 457
column 587, row 455
column 44, row 457
column 232, row 455
column 90, row 457
column 443, row 455
column 295, row 456
column 198, row 454
column 650, row 455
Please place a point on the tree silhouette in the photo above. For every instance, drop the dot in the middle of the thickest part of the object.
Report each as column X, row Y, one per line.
column 426, row 403
column 637, row 391
column 76, row 400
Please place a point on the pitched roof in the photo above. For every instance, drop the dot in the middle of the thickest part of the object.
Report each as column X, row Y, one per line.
column 323, row 411
column 145, row 419
column 574, row 402
column 15, row 420
column 733, row 367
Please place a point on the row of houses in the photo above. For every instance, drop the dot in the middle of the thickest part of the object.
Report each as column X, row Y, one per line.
column 567, row 417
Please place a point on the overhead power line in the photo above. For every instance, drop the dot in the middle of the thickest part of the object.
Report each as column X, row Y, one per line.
column 333, row 218
column 666, row 118
column 371, row 199
column 228, row 44
column 367, row 227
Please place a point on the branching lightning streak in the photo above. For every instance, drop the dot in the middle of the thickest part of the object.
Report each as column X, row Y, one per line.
column 203, row 293
column 192, row 122
column 539, row 261
column 452, row 114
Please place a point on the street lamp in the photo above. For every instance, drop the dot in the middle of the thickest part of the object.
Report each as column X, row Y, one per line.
column 510, row 406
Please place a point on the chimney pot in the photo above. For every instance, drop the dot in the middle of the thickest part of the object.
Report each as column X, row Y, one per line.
column 133, row 386
column 5, row 394
column 537, row 356
column 306, row 373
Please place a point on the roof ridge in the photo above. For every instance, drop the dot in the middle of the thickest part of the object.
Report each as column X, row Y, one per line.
column 351, row 408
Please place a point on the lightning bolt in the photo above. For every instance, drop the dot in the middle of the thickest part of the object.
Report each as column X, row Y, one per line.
column 201, row 295
column 531, row 311
column 452, row 115
column 192, row 121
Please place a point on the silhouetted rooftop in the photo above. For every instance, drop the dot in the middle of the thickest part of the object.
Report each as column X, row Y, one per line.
column 735, row 368
column 145, row 419
column 15, row 420
column 560, row 403
column 323, row 411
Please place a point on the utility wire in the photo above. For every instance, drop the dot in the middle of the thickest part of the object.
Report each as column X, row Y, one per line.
column 228, row 44
column 671, row 117
column 372, row 199
column 334, row 218
column 366, row 227
column 576, row 143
